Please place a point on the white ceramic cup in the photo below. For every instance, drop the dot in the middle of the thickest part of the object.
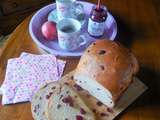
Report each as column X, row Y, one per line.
column 69, row 37
column 68, row 8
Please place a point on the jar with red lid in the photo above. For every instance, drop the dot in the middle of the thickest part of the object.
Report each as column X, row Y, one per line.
column 96, row 23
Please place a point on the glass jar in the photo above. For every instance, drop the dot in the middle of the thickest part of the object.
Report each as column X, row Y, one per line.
column 96, row 23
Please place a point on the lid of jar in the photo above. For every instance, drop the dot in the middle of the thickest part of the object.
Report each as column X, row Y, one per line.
column 100, row 14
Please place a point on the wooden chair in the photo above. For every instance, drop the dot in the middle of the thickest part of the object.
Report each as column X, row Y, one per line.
column 12, row 12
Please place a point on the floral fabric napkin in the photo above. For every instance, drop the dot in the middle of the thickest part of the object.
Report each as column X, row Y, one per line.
column 26, row 74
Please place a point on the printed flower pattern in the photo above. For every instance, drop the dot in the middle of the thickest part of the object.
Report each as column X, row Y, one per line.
column 25, row 75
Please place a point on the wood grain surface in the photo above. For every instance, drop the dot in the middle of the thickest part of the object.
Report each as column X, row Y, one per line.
column 138, row 29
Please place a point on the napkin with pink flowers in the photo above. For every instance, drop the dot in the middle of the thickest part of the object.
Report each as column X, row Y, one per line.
column 26, row 74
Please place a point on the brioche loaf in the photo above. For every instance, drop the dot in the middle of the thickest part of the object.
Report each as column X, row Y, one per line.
column 105, row 70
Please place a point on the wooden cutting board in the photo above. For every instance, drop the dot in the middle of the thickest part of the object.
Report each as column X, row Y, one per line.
column 101, row 111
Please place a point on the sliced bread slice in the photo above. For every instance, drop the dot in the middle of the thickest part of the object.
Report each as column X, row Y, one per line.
column 66, row 104
column 40, row 100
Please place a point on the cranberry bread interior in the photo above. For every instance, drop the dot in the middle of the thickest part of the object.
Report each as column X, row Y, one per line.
column 66, row 104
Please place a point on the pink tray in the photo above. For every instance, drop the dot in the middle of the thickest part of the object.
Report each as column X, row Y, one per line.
column 52, row 46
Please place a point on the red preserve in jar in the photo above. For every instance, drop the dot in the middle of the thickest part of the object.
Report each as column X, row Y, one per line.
column 96, row 23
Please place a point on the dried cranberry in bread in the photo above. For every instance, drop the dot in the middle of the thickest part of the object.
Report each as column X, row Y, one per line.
column 105, row 70
column 66, row 104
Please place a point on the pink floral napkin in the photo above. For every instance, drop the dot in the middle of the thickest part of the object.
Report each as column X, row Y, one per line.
column 26, row 74
column 60, row 63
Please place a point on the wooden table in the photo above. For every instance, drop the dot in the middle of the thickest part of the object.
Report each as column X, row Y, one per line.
column 139, row 29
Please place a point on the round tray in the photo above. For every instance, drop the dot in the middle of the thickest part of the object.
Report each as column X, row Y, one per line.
column 52, row 46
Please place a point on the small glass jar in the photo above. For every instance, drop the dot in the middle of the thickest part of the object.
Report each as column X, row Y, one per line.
column 96, row 23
